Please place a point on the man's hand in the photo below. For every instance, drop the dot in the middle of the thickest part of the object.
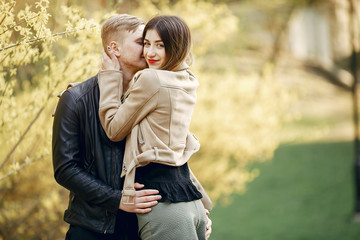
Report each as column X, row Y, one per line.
column 208, row 225
column 144, row 200
column 109, row 62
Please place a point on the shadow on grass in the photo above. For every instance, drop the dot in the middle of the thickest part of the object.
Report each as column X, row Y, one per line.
column 305, row 192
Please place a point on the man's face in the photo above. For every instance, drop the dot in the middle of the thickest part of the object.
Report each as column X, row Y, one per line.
column 131, row 50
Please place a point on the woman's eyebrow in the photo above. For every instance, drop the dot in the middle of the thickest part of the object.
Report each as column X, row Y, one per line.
column 155, row 41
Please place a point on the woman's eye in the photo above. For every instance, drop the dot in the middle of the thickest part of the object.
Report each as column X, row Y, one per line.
column 146, row 44
column 160, row 45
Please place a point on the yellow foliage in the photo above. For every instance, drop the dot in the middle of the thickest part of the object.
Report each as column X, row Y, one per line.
column 236, row 120
column 25, row 119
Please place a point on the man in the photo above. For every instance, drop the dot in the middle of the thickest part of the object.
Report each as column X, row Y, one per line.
column 85, row 161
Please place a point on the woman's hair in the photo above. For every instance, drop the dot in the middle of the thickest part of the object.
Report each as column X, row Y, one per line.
column 118, row 24
column 176, row 37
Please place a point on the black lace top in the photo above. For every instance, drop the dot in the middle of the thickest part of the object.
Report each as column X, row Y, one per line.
column 173, row 183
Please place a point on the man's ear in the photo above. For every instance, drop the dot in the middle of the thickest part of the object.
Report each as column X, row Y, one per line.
column 115, row 47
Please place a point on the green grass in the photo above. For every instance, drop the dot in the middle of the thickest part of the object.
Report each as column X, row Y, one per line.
column 305, row 192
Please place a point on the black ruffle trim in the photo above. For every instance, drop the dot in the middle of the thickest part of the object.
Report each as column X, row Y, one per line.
column 175, row 191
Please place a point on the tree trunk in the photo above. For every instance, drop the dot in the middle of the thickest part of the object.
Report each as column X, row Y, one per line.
column 355, row 97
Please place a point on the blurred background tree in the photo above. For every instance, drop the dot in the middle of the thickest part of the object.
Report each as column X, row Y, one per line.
column 36, row 62
column 243, row 52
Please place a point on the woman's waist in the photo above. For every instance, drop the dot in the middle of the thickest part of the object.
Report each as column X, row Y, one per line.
column 157, row 172
column 173, row 183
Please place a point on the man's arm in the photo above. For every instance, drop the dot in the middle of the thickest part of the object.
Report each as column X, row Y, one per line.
column 68, row 166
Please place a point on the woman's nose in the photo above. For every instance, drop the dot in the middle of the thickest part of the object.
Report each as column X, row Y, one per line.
column 151, row 52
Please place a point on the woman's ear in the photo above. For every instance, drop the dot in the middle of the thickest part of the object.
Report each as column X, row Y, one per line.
column 115, row 47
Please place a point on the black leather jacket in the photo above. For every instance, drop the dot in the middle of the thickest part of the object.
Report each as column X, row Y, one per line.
column 85, row 161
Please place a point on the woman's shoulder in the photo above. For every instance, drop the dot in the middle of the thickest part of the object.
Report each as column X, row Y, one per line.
column 159, row 77
column 146, row 74
column 147, row 78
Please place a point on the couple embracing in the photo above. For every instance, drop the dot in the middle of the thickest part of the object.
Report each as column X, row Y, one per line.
column 121, row 139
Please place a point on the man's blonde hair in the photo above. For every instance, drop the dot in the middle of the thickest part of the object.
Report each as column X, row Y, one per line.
column 117, row 24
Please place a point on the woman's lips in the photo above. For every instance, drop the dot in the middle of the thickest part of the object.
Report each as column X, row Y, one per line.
column 152, row 61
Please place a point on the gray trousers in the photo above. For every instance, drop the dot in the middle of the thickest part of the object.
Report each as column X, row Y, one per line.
column 173, row 221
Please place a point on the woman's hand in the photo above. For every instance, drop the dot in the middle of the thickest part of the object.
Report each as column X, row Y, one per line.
column 109, row 62
column 208, row 225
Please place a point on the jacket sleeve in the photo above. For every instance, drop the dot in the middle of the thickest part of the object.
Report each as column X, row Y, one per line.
column 206, row 201
column 67, row 163
column 119, row 118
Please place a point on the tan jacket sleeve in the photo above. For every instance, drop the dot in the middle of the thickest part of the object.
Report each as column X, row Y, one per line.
column 206, row 201
column 119, row 118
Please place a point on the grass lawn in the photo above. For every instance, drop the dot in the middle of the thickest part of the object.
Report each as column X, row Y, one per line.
column 305, row 192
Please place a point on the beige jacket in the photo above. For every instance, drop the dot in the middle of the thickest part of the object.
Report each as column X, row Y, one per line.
column 155, row 118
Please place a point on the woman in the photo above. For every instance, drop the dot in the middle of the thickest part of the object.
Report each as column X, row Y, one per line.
column 155, row 114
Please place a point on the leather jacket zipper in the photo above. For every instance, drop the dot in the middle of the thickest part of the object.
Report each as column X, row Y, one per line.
column 112, row 185
column 107, row 222
column 112, row 167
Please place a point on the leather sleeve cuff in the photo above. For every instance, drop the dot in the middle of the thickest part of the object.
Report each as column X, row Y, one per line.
column 117, row 199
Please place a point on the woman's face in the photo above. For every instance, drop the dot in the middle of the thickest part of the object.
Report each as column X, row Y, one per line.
column 154, row 50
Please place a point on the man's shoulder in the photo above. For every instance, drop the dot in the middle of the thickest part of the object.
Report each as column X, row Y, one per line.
column 82, row 89
column 77, row 93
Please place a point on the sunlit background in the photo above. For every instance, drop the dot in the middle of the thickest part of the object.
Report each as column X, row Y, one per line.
column 277, row 110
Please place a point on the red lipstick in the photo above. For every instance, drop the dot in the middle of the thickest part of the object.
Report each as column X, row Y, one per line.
column 151, row 61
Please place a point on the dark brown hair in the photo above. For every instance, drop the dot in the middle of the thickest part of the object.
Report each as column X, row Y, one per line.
column 176, row 37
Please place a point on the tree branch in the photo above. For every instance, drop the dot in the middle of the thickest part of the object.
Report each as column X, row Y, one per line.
column 22, row 166
column 10, row 233
column 333, row 74
column 22, row 137
column 8, row 11
column 32, row 122
column 7, row 82
column 4, row 58
column 21, row 22
column 52, row 36
column 277, row 42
